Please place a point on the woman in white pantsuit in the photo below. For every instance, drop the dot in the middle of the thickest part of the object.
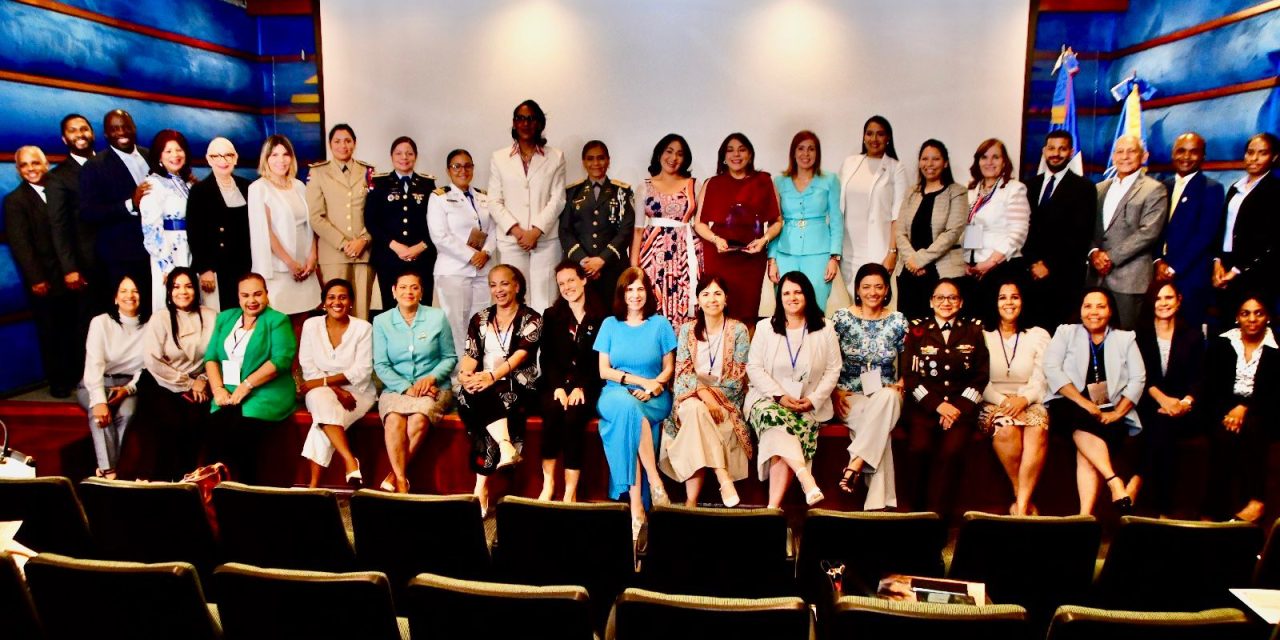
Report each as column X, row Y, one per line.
column 868, row 396
column 465, row 238
column 336, row 354
column 873, row 185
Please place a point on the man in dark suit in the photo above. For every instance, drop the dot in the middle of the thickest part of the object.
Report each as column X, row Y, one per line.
column 30, row 233
column 1057, row 247
column 72, row 240
column 597, row 222
column 111, row 186
column 1195, row 218
column 1132, row 210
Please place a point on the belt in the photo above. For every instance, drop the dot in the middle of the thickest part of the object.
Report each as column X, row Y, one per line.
column 175, row 224
column 691, row 252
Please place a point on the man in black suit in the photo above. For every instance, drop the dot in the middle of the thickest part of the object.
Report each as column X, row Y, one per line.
column 30, row 233
column 1057, row 249
column 111, row 186
column 72, row 240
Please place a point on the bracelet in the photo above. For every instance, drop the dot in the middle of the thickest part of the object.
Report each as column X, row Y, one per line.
column 325, row 381
column 248, row 384
column 492, row 377
column 624, row 378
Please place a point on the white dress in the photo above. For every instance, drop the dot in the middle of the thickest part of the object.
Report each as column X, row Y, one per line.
column 164, row 231
column 291, row 222
column 353, row 357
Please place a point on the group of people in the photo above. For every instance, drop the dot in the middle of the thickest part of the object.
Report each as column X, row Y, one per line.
column 650, row 320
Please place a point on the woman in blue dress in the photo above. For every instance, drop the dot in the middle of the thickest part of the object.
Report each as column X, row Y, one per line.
column 637, row 360
column 812, row 223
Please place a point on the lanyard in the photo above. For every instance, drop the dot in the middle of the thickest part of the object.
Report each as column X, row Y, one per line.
column 244, row 333
column 973, row 212
column 1093, row 351
column 714, row 349
column 795, row 357
column 1008, row 359
column 504, row 341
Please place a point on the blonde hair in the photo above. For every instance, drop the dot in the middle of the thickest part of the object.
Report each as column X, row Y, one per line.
column 268, row 146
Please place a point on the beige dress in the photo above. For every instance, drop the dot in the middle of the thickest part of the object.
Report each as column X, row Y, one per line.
column 700, row 442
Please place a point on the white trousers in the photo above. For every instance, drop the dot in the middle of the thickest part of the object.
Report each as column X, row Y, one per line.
column 870, row 421
column 461, row 297
column 323, row 404
column 537, row 266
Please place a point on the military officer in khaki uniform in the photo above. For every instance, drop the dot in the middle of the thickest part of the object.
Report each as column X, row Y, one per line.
column 946, row 365
column 597, row 223
column 336, row 191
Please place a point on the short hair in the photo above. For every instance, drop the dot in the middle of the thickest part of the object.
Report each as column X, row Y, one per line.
column 455, row 153
column 699, row 318
column 872, row 269
column 274, row 140
column 539, row 121
column 118, row 112
column 812, row 310
column 252, row 275
column 31, row 148
column 946, row 177
column 954, row 282
column 62, row 126
column 1273, row 144
column 791, row 155
column 334, row 283
column 410, row 271
column 158, row 143
column 724, row 150
column 572, row 265
column 1061, row 133
column 171, row 281
column 591, row 144
column 655, row 160
column 629, row 276
column 1111, row 303
column 342, row 126
column 889, row 149
column 1257, row 297
column 521, row 286
column 975, row 171
column 401, row 140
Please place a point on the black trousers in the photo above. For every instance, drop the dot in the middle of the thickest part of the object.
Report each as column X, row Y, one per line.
column 914, row 292
column 933, row 461
column 165, row 435
column 1237, row 464
column 61, row 342
column 388, row 267
column 1156, row 453
column 236, row 441
column 479, row 410
column 563, row 429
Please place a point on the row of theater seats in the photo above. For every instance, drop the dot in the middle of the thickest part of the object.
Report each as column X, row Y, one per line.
column 75, row 599
column 1037, row 564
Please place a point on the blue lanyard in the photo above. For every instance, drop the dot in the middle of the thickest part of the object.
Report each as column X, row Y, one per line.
column 795, row 357
column 713, row 348
column 1093, row 351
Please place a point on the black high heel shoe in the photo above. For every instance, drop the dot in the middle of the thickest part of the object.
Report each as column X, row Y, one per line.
column 1123, row 505
column 850, row 479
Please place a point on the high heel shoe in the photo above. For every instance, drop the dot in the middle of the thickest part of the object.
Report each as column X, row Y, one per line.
column 813, row 496
column 389, row 483
column 355, row 479
column 508, row 454
column 850, row 479
column 729, row 495
column 1122, row 505
column 658, row 494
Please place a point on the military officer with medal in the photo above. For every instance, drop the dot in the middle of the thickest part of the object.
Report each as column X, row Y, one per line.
column 336, row 192
column 598, row 221
column 396, row 215
column 465, row 239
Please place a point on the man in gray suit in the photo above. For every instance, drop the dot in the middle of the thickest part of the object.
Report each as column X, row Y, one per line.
column 1132, row 211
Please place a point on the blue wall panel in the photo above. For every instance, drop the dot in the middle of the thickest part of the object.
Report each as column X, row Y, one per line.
column 1084, row 31
column 22, row 355
column 8, row 177
column 1149, row 19
column 287, row 35
column 1241, row 52
column 13, row 297
column 213, row 21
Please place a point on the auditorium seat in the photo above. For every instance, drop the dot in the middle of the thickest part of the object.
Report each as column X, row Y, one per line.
column 52, row 519
column 17, row 612
column 403, row 535
column 149, row 522
column 1176, row 565
column 79, row 599
column 871, row 545
column 448, row 608
column 1267, row 573
column 733, row 553
column 268, row 604
column 641, row 614
column 282, row 528
column 1083, row 623
column 554, row 543
column 1037, row 562
column 857, row 617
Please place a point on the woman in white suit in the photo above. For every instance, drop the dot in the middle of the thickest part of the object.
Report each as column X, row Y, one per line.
column 526, row 195
column 999, row 216
column 1096, row 377
column 281, row 242
column 793, row 366
column 872, row 186
column 463, row 232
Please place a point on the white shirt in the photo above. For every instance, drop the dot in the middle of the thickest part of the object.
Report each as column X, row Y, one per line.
column 1246, row 370
column 135, row 162
column 702, row 364
column 1243, row 187
column 450, row 220
column 40, row 192
column 353, row 357
column 1114, row 195
column 1179, row 185
column 1057, row 180
column 80, row 161
column 112, row 349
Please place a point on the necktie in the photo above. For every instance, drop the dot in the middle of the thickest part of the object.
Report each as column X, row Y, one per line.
column 595, row 191
column 344, row 168
column 470, row 199
column 404, row 184
column 946, row 326
column 1048, row 191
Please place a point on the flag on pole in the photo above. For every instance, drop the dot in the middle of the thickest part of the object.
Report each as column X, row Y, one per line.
column 1062, row 116
column 1131, row 91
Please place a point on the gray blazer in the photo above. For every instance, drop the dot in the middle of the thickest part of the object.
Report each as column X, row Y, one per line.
column 950, row 213
column 1133, row 238
column 1066, row 361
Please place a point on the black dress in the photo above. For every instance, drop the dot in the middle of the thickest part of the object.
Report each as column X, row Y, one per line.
column 569, row 362
column 511, row 396
column 219, row 236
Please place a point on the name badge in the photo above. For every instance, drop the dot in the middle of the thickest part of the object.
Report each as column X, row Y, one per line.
column 1099, row 396
column 871, row 382
column 230, row 372
column 972, row 237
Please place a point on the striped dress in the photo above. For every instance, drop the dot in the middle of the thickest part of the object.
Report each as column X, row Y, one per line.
column 667, row 246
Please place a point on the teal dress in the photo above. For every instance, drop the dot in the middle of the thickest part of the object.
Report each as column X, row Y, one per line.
column 638, row 351
column 812, row 228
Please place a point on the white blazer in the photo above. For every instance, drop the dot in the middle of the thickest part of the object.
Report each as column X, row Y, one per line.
column 1004, row 219
column 1066, row 361
column 263, row 196
column 450, row 220
column 533, row 200
column 887, row 192
column 825, row 360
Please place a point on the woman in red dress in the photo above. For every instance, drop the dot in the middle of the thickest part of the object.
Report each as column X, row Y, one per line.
column 737, row 218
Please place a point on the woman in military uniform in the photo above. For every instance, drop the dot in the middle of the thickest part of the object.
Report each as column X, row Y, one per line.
column 396, row 216
column 598, row 220
column 463, row 232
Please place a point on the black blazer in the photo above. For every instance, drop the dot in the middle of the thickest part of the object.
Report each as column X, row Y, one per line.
column 218, row 235
column 105, row 184
column 1220, row 377
column 1061, row 231
column 1186, row 358
column 568, row 359
column 72, row 239
column 1254, row 245
column 30, row 232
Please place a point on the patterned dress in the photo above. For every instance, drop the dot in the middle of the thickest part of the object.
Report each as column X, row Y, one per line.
column 669, row 251
column 164, row 230
column 864, row 343
column 512, row 395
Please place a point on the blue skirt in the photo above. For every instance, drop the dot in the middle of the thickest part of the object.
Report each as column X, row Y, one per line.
column 814, row 268
column 621, row 418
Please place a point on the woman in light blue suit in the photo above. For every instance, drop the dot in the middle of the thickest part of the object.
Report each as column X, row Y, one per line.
column 812, row 223
column 1096, row 378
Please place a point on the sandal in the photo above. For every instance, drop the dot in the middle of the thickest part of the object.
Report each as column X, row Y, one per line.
column 850, row 479
column 1123, row 505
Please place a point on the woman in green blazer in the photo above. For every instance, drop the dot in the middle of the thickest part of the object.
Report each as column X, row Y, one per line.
column 248, row 361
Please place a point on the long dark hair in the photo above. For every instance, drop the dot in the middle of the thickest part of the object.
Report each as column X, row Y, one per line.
column 144, row 306
column 812, row 312
column 170, row 281
column 164, row 137
column 872, row 269
column 889, row 150
column 630, row 275
column 945, row 177
column 721, row 167
column 655, row 160
column 699, row 318
column 539, row 121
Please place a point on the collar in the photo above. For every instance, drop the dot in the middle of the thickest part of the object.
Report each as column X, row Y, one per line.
column 938, row 322
column 79, row 160
column 1057, row 175
column 1183, row 180
column 402, row 176
column 1127, row 181
column 39, row 188
column 397, row 318
column 515, row 150
column 1242, row 185
column 127, row 156
column 1233, row 336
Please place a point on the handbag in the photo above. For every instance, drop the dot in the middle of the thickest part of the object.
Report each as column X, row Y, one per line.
column 206, row 478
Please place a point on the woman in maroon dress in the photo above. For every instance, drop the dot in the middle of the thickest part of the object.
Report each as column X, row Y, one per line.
column 738, row 216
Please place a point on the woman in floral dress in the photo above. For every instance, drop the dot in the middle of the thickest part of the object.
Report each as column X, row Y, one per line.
column 665, row 245
column 164, row 210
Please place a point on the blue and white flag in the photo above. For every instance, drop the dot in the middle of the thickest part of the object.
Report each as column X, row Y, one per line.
column 1131, row 91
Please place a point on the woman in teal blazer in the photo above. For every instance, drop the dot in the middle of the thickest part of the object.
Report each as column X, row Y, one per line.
column 248, row 361
column 812, row 222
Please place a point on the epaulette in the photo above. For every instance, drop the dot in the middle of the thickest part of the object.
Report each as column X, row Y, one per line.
column 480, row 191
column 977, row 322
column 382, row 175
column 620, row 184
column 570, row 186
column 318, row 164
column 426, row 175
column 441, row 191
column 363, row 164
column 916, row 322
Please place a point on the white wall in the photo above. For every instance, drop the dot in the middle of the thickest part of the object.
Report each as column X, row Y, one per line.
column 449, row 73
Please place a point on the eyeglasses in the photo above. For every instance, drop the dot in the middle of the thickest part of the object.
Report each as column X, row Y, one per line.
column 522, row 118
column 228, row 157
column 946, row 299
column 458, row 166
